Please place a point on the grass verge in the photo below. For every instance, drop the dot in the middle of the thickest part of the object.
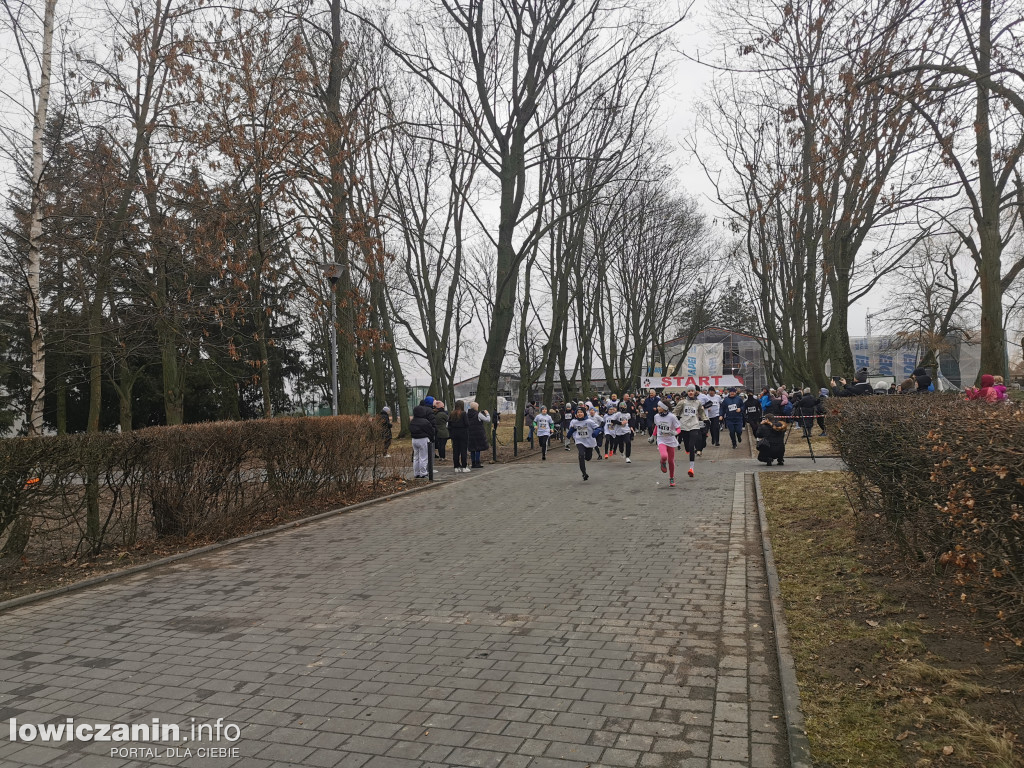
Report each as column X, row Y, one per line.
column 890, row 672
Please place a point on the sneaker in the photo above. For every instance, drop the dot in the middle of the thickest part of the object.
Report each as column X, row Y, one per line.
column 586, row 477
column 544, row 457
column 734, row 446
column 822, row 435
column 629, row 460
column 781, row 462
column 650, row 440
column 689, row 472
column 671, row 482
column 599, row 457
column 698, row 453
column 664, row 466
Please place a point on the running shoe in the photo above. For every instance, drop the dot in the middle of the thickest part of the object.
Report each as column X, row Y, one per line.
column 664, row 465
column 586, row 477
column 671, row 482
column 629, row 460
column 689, row 472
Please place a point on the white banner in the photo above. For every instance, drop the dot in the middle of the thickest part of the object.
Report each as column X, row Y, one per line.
column 701, row 360
column 680, row 383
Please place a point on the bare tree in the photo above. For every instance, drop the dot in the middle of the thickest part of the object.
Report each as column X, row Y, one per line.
column 16, row 13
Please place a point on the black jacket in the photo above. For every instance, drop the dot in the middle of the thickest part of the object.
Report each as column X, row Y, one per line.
column 422, row 425
column 776, row 437
column 806, row 406
column 477, row 432
column 458, row 427
column 752, row 410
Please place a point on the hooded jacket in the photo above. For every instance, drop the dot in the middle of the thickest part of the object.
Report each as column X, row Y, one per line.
column 422, row 425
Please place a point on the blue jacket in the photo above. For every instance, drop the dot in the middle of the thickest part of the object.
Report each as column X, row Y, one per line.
column 734, row 416
column 766, row 402
column 651, row 405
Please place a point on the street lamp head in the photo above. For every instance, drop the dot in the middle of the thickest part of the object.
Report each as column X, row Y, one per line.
column 332, row 272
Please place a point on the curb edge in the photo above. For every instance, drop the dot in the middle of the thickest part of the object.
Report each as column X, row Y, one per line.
column 799, row 746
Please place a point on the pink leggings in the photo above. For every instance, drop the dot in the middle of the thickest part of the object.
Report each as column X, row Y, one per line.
column 668, row 453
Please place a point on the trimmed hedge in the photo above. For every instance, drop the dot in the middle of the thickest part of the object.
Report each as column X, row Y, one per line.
column 85, row 491
column 948, row 476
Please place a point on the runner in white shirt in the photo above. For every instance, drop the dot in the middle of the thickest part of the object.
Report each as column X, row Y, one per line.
column 582, row 430
column 691, row 417
column 625, row 434
column 666, row 427
column 543, row 423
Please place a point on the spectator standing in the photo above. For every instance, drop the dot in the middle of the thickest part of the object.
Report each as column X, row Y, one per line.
column 422, row 430
column 805, row 409
column 477, row 433
column 441, row 424
column 529, row 414
column 458, row 430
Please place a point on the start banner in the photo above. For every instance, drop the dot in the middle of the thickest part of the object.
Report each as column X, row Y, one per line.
column 682, row 382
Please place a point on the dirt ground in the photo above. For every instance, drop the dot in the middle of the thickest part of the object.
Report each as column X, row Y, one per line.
column 894, row 668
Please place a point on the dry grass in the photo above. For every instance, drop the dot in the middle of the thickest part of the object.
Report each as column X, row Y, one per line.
column 873, row 694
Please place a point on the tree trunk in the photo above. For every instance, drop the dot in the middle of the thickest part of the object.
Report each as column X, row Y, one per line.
column 987, row 217
column 33, row 295
column 17, row 537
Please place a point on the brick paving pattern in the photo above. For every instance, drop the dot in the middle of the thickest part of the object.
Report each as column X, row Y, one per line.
column 513, row 617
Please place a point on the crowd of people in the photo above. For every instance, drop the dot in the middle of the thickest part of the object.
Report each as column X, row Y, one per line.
column 604, row 427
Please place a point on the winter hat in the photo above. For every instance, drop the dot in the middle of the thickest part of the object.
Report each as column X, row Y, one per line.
column 386, row 409
column 438, row 404
column 823, row 391
column 428, row 400
column 988, row 380
column 663, row 405
column 919, row 372
column 861, row 377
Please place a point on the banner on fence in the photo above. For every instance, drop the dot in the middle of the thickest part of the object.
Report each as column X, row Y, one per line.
column 680, row 383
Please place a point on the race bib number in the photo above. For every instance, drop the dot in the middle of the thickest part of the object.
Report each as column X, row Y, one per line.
column 689, row 410
column 734, row 407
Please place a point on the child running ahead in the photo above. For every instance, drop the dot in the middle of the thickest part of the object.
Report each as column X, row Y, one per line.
column 666, row 426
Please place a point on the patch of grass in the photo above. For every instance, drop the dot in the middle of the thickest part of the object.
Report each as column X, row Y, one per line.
column 873, row 694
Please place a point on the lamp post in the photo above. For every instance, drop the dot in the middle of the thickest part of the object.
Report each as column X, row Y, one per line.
column 332, row 272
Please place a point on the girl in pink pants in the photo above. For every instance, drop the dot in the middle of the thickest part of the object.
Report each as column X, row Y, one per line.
column 666, row 427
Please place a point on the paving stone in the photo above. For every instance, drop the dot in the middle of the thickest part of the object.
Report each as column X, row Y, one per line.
column 615, row 623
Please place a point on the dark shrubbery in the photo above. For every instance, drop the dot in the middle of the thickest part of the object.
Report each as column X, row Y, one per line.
column 948, row 476
column 83, row 492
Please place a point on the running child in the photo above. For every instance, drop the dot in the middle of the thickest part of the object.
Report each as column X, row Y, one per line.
column 542, row 424
column 666, row 427
column 611, row 430
column 581, row 429
column 625, row 433
column 598, row 419
column 691, row 417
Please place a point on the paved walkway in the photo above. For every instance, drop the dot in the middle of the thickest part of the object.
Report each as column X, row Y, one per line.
column 513, row 617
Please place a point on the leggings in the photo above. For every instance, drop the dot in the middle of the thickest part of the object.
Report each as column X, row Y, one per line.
column 668, row 454
column 543, row 440
column 459, row 451
column 586, row 454
column 692, row 443
column 626, row 443
column 612, row 443
column 439, row 445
